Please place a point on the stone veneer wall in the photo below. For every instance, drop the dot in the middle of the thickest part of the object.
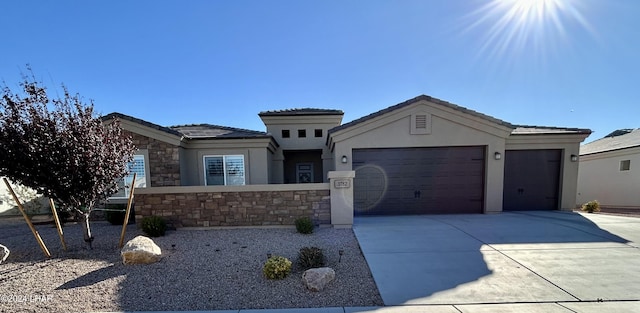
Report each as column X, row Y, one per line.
column 164, row 160
column 234, row 208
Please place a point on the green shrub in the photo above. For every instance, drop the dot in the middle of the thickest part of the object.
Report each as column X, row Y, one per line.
column 310, row 257
column 277, row 267
column 304, row 225
column 591, row 206
column 154, row 226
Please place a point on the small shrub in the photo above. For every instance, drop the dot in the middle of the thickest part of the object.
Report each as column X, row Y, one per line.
column 115, row 217
column 277, row 267
column 154, row 226
column 304, row 225
column 591, row 206
column 310, row 257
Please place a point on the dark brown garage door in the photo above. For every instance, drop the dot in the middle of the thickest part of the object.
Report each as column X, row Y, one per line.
column 438, row 180
column 531, row 180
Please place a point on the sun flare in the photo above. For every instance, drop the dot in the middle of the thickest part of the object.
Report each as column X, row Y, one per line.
column 510, row 27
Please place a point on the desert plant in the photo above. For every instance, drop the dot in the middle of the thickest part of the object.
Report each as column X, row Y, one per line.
column 591, row 206
column 304, row 225
column 310, row 257
column 154, row 226
column 277, row 267
column 114, row 216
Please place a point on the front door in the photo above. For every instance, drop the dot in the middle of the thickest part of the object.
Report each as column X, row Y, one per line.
column 304, row 173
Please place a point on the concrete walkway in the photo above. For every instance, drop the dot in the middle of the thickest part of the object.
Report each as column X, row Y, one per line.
column 525, row 262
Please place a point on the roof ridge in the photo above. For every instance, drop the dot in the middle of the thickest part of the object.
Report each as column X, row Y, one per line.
column 218, row 126
column 118, row 115
column 426, row 98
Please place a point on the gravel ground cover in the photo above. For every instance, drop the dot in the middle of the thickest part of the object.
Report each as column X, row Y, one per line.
column 212, row 269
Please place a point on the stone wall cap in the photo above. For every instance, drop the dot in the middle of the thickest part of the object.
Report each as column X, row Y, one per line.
column 341, row 174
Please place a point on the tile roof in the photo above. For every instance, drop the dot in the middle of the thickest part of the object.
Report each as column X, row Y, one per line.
column 208, row 131
column 517, row 129
column 545, row 130
column 199, row 131
column 416, row 99
column 302, row 111
column 617, row 140
column 116, row 115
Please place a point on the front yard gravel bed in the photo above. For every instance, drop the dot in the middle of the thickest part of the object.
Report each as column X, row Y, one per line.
column 213, row 269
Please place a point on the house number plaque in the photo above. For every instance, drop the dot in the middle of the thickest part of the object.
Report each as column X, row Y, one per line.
column 341, row 183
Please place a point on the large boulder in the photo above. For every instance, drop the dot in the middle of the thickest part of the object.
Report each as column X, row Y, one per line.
column 316, row 279
column 140, row 250
column 4, row 253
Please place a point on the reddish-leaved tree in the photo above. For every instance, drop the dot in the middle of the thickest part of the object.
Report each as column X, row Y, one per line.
column 61, row 148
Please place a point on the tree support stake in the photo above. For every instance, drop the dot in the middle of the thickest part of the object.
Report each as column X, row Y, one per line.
column 26, row 218
column 56, row 219
column 126, row 215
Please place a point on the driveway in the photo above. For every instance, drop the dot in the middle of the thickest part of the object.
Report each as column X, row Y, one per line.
column 517, row 258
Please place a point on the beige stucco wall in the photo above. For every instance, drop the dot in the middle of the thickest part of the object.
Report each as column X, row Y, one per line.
column 293, row 123
column 448, row 128
column 275, row 125
column 570, row 145
column 256, row 161
column 600, row 178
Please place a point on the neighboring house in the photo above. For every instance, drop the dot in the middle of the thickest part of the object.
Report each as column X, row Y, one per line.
column 32, row 202
column 422, row 156
column 610, row 170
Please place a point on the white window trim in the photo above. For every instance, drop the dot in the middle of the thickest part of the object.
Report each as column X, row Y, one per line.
column 145, row 157
column 224, row 166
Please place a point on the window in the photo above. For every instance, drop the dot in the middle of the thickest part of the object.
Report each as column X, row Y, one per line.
column 318, row 133
column 137, row 166
column 285, row 133
column 625, row 165
column 302, row 133
column 224, row 170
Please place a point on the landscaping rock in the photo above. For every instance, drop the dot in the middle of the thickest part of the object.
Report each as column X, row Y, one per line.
column 4, row 253
column 316, row 279
column 140, row 250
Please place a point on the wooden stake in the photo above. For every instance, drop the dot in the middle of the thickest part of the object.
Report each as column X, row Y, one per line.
column 26, row 218
column 57, row 221
column 126, row 215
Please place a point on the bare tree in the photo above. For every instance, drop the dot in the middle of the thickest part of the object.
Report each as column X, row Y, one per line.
column 60, row 148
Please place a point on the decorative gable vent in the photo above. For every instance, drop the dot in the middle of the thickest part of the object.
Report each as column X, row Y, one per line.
column 420, row 124
column 421, row 121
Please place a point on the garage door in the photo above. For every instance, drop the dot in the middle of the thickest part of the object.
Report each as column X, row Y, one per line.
column 531, row 180
column 438, row 180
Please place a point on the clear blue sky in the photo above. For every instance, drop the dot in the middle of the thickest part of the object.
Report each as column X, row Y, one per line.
column 535, row 62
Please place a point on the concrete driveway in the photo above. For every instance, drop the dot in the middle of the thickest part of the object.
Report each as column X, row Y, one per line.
column 549, row 258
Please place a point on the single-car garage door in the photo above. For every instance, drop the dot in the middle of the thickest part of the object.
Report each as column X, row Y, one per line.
column 531, row 180
column 437, row 180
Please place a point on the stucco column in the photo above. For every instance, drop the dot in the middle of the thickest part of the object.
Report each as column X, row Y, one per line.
column 341, row 186
column 494, row 184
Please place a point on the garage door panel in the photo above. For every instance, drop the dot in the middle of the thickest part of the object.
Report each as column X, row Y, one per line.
column 419, row 180
column 532, row 180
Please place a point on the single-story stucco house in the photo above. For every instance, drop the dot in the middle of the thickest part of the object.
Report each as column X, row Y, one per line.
column 421, row 156
column 610, row 170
